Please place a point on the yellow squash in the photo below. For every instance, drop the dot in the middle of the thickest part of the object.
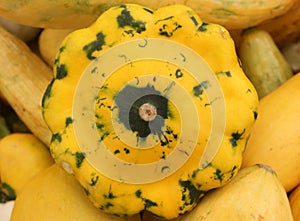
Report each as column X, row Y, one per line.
column 55, row 195
column 294, row 199
column 283, row 28
column 149, row 109
column 63, row 13
column 22, row 156
column 286, row 27
column 274, row 139
column 49, row 42
column 255, row 193
column 262, row 61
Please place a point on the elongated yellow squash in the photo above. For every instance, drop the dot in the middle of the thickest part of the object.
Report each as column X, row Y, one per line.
column 274, row 139
column 62, row 14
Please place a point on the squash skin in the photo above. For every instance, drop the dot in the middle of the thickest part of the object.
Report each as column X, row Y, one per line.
column 61, row 14
column 22, row 156
column 185, row 187
column 49, row 42
column 57, row 196
column 262, row 61
column 289, row 22
column 294, row 199
column 274, row 138
column 246, row 197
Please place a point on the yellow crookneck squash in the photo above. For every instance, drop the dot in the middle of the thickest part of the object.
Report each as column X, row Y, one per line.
column 149, row 109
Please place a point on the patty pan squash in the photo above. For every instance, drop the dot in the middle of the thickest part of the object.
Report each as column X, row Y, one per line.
column 149, row 109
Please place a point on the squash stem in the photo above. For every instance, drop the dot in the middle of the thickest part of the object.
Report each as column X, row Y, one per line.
column 147, row 112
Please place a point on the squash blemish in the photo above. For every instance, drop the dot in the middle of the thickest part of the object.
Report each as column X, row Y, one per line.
column 178, row 73
column 94, row 46
column 79, row 157
column 203, row 27
column 7, row 193
column 57, row 137
column 219, row 175
column 61, row 71
column 168, row 30
column 47, row 93
column 94, row 179
column 225, row 73
column 190, row 195
column 69, row 121
column 199, row 89
column 235, row 137
column 125, row 19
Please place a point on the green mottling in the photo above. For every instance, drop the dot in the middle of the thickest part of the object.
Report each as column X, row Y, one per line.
column 86, row 191
column 61, row 49
column 171, row 132
column 104, row 135
column 69, row 121
column 163, row 155
column 219, row 175
column 149, row 203
column 190, row 195
column 94, row 180
column 56, row 137
column 178, row 73
column 95, row 45
column 168, row 31
column 79, row 157
column 225, row 73
column 235, row 137
column 221, row 13
column 57, row 58
column 7, row 193
column 106, row 206
column 125, row 19
column 117, row 151
column 138, row 193
column 199, row 89
column 47, row 93
column 164, row 19
column 100, row 126
column 148, row 10
column 203, row 27
column 194, row 20
column 255, row 114
column 61, row 71
column 110, row 195
column 233, row 171
column 126, row 150
column 102, row 132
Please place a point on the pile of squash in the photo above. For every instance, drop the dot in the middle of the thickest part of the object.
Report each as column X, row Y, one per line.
column 47, row 178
